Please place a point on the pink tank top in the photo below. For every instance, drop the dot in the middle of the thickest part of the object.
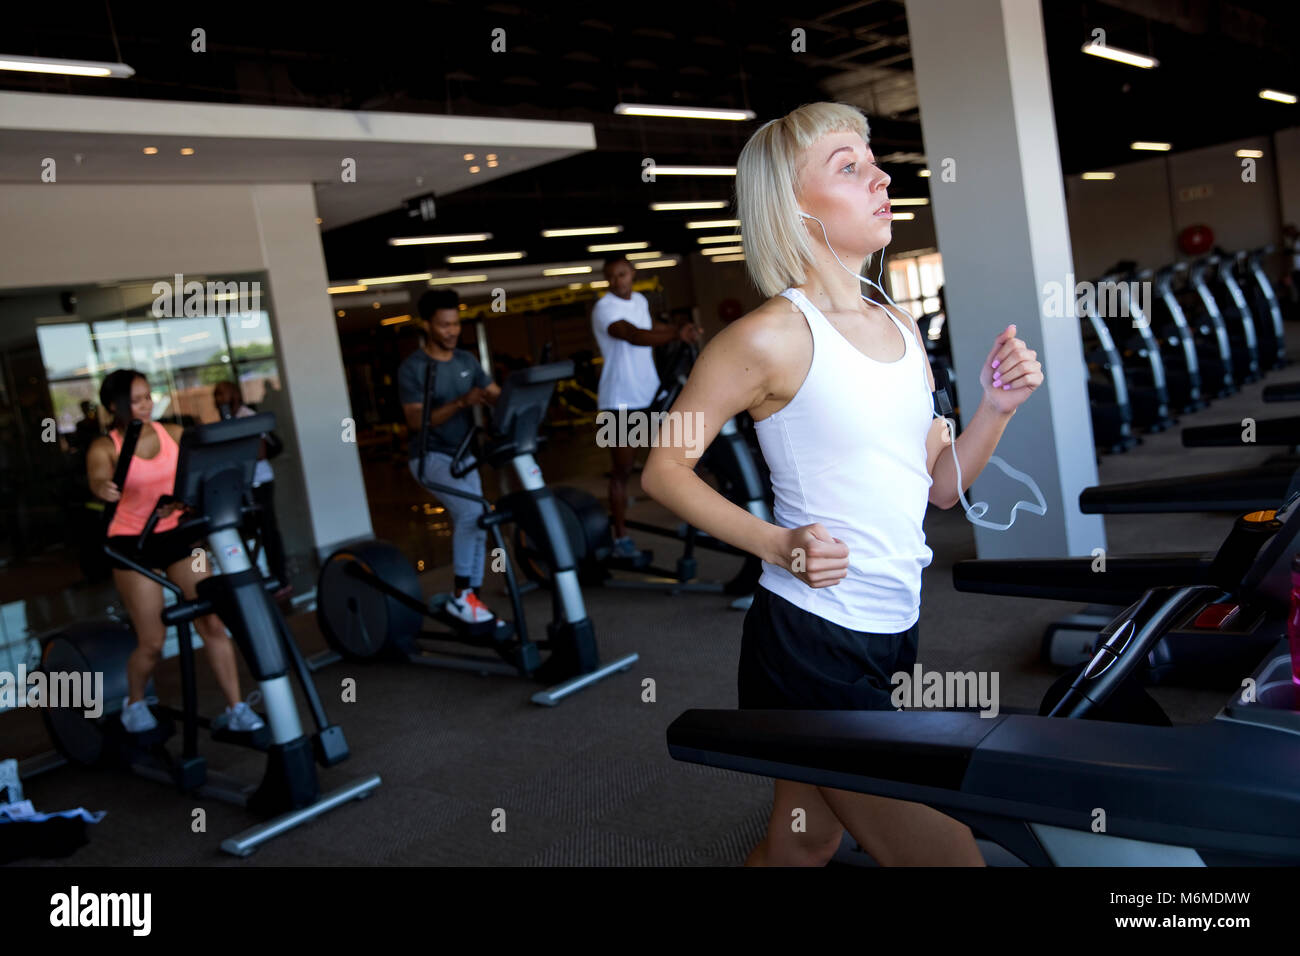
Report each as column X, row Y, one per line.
column 146, row 481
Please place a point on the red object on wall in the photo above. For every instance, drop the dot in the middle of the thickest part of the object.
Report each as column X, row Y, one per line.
column 729, row 310
column 1196, row 240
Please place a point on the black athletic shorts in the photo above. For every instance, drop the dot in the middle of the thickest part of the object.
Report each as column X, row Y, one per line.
column 793, row 660
column 161, row 550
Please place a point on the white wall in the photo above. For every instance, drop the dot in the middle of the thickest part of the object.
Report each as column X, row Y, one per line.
column 1138, row 215
column 61, row 235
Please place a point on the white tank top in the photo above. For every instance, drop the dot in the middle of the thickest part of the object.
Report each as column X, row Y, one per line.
column 848, row 451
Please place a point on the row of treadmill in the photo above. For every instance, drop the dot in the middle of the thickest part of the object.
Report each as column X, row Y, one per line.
column 1160, row 343
column 1099, row 775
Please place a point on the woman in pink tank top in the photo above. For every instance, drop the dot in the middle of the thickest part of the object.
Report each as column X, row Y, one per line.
column 125, row 394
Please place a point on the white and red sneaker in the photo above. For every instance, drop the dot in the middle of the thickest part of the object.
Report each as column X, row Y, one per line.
column 466, row 606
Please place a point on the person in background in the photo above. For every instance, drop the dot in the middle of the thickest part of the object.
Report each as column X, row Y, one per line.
column 459, row 384
column 627, row 335
column 126, row 395
column 230, row 403
column 88, row 429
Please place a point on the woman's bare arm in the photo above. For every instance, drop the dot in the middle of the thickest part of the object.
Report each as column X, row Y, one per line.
column 735, row 373
column 100, row 462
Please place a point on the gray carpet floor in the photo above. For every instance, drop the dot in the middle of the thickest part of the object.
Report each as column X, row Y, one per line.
column 590, row 782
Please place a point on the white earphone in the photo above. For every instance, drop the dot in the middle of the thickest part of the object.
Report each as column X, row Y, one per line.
column 976, row 512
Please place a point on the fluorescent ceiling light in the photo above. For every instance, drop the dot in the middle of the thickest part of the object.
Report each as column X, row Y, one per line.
column 902, row 216
column 454, row 280
column 719, row 250
column 1277, row 96
column 618, row 246
column 693, row 170
column 656, row 264
column 486, row 257
column 737, row 258
column 1098, row 175
column 1160, row 147
column 633, row 256
column 714, row 224
column 923, row 173
column 395, row 320
column 675, row 206
column 391, row 280
column 1250, row 154
column 585, row 231
column 1121, row 56
column 45, row 64
column 567, row 271
column 705, row 240
column 909, row 202
column 682, row 112
column 340, row 289
column 430, row 240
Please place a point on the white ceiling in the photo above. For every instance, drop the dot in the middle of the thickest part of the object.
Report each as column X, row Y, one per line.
column 397, row 155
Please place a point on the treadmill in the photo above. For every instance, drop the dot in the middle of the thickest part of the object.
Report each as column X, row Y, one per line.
column 1222, row 792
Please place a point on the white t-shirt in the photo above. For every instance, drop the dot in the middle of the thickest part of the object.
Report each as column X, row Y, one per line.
column 628, row 376
column 262, row 473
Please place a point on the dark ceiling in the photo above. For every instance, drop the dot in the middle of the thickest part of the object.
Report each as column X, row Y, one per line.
column 575, row 61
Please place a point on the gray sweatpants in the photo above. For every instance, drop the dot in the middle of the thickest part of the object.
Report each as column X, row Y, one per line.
column 468, row 540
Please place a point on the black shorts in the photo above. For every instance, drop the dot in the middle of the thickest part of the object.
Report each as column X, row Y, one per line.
column 793, row 660
column 161, row 550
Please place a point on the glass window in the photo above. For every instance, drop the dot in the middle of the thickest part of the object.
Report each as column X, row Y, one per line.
column 191, row 341
column 66, row 349
column 250, row 335
column 67, row 397
column 256, row 379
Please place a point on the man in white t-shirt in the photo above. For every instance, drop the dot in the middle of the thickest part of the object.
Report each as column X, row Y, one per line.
column 627, row 335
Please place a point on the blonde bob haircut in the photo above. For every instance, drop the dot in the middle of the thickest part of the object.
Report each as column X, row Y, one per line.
column 777, row 248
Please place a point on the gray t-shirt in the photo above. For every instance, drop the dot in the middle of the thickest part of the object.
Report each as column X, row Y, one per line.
column 452, row 379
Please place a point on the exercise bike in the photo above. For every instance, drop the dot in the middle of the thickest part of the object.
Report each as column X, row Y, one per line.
column 369, row 601
column 213, row 472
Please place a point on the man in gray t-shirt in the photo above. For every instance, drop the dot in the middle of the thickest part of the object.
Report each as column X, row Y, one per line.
column 459, row 383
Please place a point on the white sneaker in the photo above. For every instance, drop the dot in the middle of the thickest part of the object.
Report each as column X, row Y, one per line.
column 243, row 719
column 136, row 717
column 466, row 607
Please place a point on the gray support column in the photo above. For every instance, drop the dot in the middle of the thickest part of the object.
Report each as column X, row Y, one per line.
column 999, row 212
column 312, row 366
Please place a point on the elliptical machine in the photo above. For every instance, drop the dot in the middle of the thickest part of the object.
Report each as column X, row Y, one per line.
column 212, row 474
column 369, row 601
column 740, row 477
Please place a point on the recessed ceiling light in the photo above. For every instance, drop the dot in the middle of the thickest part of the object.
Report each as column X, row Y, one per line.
column 1121, row 56
column 1277, row 96
column 683, row 112
column 675, row 206
column 45, row 64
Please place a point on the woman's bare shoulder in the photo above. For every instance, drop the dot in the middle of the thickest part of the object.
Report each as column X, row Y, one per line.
column 769, row 330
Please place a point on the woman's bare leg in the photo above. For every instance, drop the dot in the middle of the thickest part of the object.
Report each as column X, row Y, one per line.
column 894, row 832
column 143, row 600
column 220, row 648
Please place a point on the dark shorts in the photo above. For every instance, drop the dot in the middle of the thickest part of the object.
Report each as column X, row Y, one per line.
column 160, row 550
column 793, row 660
